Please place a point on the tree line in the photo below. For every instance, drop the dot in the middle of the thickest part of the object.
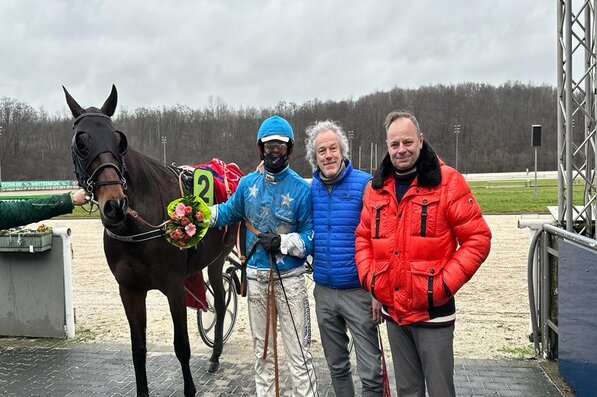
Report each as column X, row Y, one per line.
column 491, row 123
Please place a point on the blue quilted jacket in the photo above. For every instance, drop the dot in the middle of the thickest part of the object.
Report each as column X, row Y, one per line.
column 336, row 215
column 278, row 203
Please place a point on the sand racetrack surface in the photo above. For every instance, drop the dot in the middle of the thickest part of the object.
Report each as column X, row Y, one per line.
column 492, row 309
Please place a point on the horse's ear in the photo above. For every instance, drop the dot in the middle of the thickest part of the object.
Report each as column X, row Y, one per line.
column 109, row 107
column 75, row 108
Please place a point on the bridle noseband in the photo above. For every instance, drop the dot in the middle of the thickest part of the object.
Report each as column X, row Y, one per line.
column 100, row 129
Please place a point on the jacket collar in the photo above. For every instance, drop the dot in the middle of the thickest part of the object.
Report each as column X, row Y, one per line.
column 347, row 170
column 277, row 177
column 428, row 169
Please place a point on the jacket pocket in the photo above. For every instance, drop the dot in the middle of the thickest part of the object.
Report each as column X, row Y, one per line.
column 284, row 221
column 424, row 216
column 428, row 287
column 380, row 212
column 381, row 285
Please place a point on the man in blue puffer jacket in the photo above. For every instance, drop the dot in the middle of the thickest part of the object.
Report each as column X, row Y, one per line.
column 277, row 203
column 340, row 301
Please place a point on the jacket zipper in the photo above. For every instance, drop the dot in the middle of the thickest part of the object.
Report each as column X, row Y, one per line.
column 372, row 289
column 424, row 220
column 430, row 292
column 328, row 266
column 377, row 219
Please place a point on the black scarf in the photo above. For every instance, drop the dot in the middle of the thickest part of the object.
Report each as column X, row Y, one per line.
column 428, row 171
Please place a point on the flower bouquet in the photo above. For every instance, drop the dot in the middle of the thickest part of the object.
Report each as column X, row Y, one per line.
column 189, row 221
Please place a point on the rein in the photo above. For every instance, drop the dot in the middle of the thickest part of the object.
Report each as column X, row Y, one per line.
column 159, row 230
column 271, row 318
column 271, row 315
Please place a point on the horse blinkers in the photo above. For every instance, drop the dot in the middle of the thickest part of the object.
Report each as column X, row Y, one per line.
column 93, row 137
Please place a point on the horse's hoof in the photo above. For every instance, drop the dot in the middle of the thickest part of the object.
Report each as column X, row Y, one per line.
column 213, row 367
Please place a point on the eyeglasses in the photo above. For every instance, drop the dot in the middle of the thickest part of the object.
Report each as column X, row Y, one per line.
column 275, row 146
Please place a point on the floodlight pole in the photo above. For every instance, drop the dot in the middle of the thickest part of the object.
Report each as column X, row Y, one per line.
column 456, row 132
column 1, row 156
column 350, row 135
column 164, row 140
column 535, row 173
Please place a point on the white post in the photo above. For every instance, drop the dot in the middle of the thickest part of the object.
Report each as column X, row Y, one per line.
column 371, row 159
column 456, row 132
column 164, row 139
column 350, row 135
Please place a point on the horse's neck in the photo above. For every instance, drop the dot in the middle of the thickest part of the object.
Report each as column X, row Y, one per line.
column 150, row 183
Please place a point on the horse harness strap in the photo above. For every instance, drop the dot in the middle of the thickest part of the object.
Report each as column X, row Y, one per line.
column 271, row 321
column 384, row 369
column 145, row 236
column 228, row 194
column 137, row 238
column 244, row 259
column 271, row 314
column 98, row 126
column 136, row 215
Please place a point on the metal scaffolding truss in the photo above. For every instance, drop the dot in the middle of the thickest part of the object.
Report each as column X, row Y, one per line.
column 576, row 115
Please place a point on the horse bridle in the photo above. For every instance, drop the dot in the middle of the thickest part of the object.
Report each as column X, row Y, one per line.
column 98, row 126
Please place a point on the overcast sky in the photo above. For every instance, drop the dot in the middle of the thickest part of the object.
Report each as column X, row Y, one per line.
column 260, row 52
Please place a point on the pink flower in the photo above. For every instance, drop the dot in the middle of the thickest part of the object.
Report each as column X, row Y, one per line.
column 199, row 216
column 176, row 234
column 188, row 210
column 180, row 210
column 185, row 221
column 174, row 217
column 191, row 230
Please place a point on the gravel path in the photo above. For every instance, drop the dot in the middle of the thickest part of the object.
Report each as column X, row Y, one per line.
column 492, row 309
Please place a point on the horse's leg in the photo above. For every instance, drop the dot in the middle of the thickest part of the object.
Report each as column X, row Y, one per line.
column 182, row 347
column 215, row 280
column 134, row 307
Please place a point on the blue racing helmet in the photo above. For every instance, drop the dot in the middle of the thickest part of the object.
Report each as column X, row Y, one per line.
column 275, row 128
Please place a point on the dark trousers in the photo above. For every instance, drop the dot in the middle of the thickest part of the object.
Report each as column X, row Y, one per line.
column 422, row 357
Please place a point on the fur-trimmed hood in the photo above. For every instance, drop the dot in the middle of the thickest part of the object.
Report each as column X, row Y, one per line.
column 428, row 168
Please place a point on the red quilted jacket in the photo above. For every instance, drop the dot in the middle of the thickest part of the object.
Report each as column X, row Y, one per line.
column 418, row 253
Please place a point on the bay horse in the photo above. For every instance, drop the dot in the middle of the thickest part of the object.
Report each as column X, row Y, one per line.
column 121, row 180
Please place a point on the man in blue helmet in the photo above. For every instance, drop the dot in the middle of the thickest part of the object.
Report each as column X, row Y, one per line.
column 276, row 205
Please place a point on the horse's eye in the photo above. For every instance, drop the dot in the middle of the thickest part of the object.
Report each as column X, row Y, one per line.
column 122, row 143
column 82, row 148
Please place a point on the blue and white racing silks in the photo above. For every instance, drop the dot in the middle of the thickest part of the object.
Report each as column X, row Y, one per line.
column 277, row 203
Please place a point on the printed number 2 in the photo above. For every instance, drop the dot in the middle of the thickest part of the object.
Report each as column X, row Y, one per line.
column 203, row 185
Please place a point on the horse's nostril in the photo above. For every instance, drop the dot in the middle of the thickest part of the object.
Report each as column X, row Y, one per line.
column 115, row 210
column 124, row 204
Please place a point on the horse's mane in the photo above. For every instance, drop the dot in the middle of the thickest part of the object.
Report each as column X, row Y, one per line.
column 150, row 182
column 152, row 169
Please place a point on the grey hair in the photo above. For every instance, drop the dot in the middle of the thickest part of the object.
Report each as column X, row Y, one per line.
column 315, row 129
column 401, row 114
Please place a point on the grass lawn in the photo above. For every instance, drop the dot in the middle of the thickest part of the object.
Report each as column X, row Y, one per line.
column 495, row 197
column 518, row 197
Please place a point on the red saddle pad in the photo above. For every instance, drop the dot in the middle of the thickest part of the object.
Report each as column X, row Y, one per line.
column 226, row 179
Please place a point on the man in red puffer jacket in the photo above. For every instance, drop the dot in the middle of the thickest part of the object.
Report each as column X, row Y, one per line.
column 420, row 239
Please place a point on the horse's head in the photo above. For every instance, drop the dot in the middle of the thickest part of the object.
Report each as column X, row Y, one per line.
column 98, row 150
